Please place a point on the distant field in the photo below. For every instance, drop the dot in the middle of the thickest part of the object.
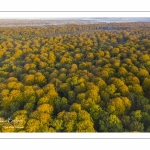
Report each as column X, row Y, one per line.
column 10, row 23
column 61, row 21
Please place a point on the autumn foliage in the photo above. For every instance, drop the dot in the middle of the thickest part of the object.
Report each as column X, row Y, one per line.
column 75, row 78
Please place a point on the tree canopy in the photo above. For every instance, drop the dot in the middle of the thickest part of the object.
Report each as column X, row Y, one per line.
column 75, row 78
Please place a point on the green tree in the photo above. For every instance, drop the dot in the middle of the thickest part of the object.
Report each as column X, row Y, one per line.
column 85, row 126
column 110, row 124
column 75, row 107
column 136, row 126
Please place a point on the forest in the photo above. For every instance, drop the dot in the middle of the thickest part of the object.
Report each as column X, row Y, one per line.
column 75, row 78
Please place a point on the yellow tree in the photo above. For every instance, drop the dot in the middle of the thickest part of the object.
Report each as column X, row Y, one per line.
column 40, row 79
column 46, row 108
column 119, row 105
column 29, row 79
column 33, row 125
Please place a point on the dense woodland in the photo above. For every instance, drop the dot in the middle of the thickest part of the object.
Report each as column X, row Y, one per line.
column 75, row 78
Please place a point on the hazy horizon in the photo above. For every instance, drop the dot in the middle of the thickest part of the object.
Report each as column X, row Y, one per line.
column 52, row 18
column 68, row 20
